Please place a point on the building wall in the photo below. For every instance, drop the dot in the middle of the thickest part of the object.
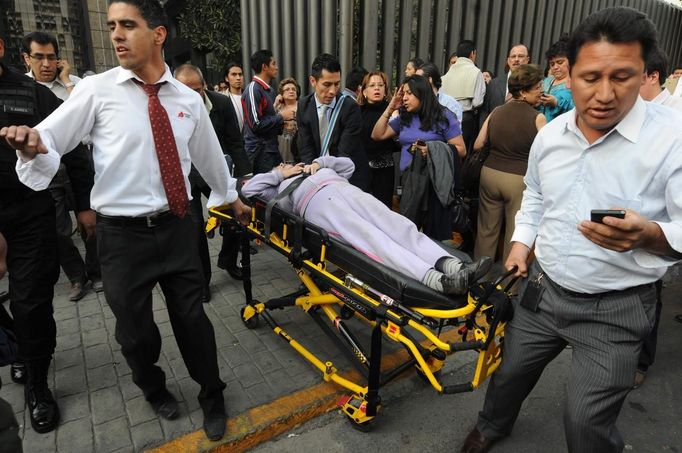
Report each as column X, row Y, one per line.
column 385, row 34
column 79, row 26
column 104, row 57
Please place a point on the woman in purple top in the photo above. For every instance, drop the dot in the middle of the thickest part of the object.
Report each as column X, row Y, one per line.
column 421, row 119
column 326, row 199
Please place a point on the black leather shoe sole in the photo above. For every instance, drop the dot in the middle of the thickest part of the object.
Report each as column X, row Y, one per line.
column 234, row 271
column 214, row 426
column 166, row 407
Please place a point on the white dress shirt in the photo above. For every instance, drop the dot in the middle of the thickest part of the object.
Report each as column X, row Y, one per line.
column 238, row 108
column 57, row 86
column 112, row 108
column 451, row 104
column 637, row 165
column 667, row 99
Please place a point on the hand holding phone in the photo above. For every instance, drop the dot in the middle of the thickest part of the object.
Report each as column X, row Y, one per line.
column 597, row 215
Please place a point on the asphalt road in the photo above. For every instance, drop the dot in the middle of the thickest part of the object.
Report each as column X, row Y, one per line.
column 416, row 419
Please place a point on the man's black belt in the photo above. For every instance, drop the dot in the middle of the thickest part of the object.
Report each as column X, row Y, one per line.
column 613, row 292
column 149, row 221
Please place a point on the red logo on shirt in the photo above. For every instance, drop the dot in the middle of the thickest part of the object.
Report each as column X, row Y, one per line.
column 181, row 115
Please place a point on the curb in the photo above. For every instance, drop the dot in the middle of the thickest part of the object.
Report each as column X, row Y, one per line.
column 262, row 423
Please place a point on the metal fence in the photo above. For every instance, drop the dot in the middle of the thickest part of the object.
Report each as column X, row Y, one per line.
column 385, row 34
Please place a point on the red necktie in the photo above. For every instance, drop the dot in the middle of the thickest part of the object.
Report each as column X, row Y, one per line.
column 166, row 152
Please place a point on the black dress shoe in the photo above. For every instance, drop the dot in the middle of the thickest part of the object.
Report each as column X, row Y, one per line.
column 166, row 406
column 17, row 371
column 42, row 408
column 214, row 426
column 234, row 270
column 206, row 295
column 475, row 442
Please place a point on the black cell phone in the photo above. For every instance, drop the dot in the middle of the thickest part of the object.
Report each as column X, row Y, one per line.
column 597, row 215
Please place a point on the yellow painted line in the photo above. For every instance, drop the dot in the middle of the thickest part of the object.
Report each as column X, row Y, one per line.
column 262, row 423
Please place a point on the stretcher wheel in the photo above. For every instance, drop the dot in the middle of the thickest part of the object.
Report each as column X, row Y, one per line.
column 363, row 427
column 252, row 321
column 346, row 313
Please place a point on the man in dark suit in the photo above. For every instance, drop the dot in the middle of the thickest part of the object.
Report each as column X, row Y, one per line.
column 326, row 109
column 224, row 121
column 497, row 92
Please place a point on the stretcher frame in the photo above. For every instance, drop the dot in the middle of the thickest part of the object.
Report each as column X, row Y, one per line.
column 337, row 296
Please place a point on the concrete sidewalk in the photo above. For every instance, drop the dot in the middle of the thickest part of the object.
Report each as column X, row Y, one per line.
column 103, row 411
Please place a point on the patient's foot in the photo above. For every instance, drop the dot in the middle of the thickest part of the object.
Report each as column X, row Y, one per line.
column 470, row 273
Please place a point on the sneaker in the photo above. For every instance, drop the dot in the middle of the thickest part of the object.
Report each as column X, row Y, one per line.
column 17, row 372
column 77, row 292
column 469, row 273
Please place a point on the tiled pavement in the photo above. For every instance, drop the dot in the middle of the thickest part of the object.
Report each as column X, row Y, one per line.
column 103, row 411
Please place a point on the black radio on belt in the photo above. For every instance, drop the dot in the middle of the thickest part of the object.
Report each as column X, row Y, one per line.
column 533, row 294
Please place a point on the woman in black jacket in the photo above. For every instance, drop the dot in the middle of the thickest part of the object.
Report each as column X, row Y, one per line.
column 373, row 101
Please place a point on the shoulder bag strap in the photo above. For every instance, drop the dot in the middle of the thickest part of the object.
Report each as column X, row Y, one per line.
column 324, row 150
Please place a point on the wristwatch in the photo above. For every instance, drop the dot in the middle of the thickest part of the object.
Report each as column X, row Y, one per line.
column 69, row 85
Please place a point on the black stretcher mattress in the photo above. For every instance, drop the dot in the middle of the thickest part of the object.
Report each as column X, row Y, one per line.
column 407, row 290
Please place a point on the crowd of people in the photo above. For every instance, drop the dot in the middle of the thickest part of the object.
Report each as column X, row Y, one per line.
column 131, row 151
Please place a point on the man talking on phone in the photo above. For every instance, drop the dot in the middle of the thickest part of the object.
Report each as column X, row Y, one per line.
column 41, row 55
column 591, row 285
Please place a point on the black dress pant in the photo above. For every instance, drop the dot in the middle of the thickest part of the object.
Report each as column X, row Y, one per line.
column 648, row 353
column 69, row 257
column 381, row 184
column 28, row 225
column 469, row 129
column 264, row 160
column 134, row 258
column 197, row 212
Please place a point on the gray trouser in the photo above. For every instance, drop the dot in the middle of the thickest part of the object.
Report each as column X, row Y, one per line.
column 606, row 334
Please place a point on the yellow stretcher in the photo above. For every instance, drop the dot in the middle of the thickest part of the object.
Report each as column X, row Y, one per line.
column 392, row 305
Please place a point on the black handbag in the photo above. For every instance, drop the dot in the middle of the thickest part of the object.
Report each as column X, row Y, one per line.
column 459, row 215
column 473, row 162
column 471, row 170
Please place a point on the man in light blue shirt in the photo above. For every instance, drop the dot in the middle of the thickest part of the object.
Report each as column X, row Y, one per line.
column 592, row 284
column 430, row 71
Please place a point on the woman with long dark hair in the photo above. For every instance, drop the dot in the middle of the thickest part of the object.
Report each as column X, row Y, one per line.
column 422, row 119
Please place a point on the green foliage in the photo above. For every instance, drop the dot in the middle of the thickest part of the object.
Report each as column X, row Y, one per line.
column 213, row 26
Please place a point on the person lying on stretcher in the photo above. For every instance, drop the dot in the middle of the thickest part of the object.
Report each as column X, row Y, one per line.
column 326, row 199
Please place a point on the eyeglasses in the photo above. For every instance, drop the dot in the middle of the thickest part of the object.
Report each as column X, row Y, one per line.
column 40, row 57
column 518, row 57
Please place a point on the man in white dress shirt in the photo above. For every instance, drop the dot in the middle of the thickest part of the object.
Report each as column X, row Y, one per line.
column 147, row 129
column 592, row 284
column 656, row 74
